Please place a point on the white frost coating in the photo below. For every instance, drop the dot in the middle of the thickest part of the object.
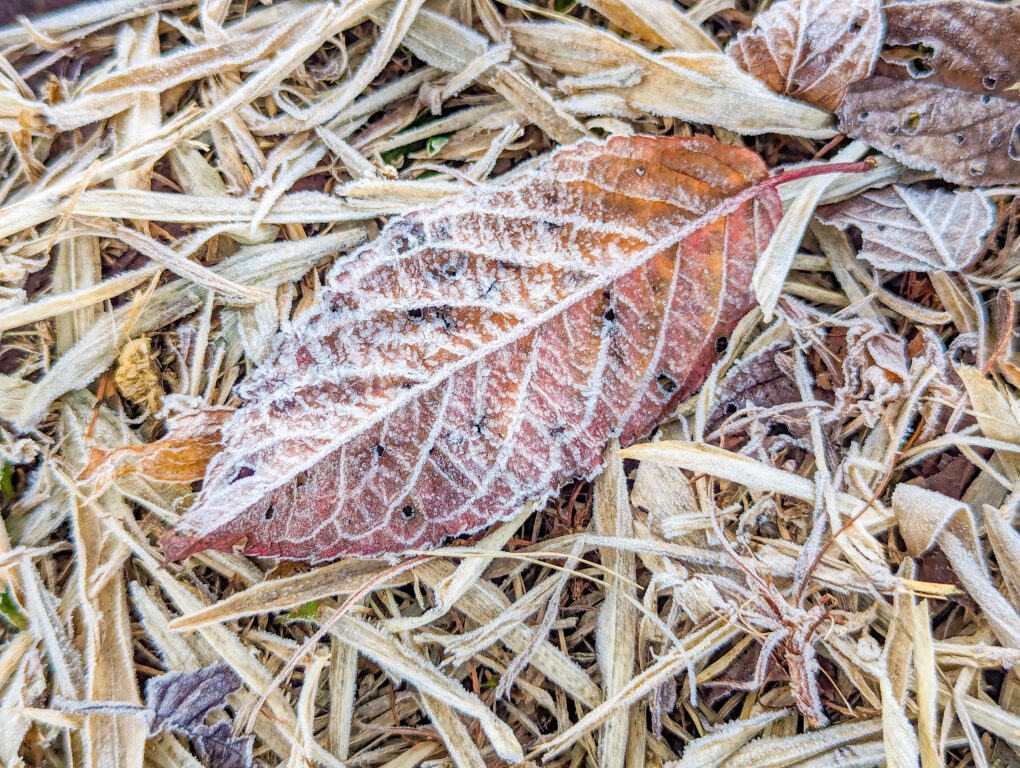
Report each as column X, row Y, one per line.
column 909, row 228
column 479, row 353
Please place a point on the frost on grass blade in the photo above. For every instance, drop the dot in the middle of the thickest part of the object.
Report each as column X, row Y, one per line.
column 482, row 352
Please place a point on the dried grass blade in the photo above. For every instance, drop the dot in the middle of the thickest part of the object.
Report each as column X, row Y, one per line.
column 699, row 87
column 775, row 262
column 778, row 752
column 403, row 662
column 926, row 677
column 450, row 590
column 616, row 630
column 73, row 301
column 657, row 21
column 697, row 646
column 453, row 733
column 483, row 603
column 343, row 578
column 265, row 266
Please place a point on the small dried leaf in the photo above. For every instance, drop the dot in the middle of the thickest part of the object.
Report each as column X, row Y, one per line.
column 217, row 747
column 480, row 354
column 952, row 105
column 812, row 49
column 136, row 376
column 193, row 439
column 909, row 228
column 180, row 701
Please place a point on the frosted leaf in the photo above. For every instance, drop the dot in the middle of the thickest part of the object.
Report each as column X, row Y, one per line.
column 482, row 352
column 909, row 228
column 812, row 49
column 944, row 96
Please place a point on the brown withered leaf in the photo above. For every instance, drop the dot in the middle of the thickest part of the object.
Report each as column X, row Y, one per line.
column 910, row 228
column 945, row 95
column 812, row 49
column 483, row 352
column 136, row 376
column 192, row 440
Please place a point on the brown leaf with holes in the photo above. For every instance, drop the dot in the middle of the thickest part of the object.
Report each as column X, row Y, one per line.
column 483, row 352
column 945, row 95
column 812, row 49
column 192, row 440
column 911, row 228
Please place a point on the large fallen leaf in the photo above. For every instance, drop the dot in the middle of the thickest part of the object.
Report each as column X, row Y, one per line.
column 945, row 94
column 482, row 352
column 909, row 228
column 812, row 49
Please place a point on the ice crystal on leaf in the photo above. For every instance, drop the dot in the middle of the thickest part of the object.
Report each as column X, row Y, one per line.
column 484, row 351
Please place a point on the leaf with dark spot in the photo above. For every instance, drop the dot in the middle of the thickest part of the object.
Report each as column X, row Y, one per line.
column 945, row 96
column 600, row 325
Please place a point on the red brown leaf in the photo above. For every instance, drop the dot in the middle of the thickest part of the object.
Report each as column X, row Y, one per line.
column 812, row 49
column 482, row 352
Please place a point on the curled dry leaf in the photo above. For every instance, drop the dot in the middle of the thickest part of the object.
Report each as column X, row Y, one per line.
column 950, row 104
column 192, row 440
column 482, row 352
column 909, row 228
column 136, row 376
column 812, row 49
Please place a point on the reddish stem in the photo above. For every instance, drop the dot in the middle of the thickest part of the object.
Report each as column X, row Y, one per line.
column 817, row 170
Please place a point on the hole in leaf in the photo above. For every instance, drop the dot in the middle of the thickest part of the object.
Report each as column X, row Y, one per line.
column 268, row 514
column 609, row 315
column 559, row 429
column 730, row 409
column 1014, row 143
column 379, row 450
column 794, row 86
column 959, row 139
column 897, row 146
column 892, row 129
column 242, row 473
column 923, row 64
column 450, row 271
column 666, row 383
column 639, row 171
column 995, row 141
column 989, row 82
column 864, row 115
column 720, row 345
column 986, row 99
column 912, row 123
column 880, row 227
column 978, row 167
column 301, row 479
column 416, row 314
column 408, row 512
column 855, row 28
